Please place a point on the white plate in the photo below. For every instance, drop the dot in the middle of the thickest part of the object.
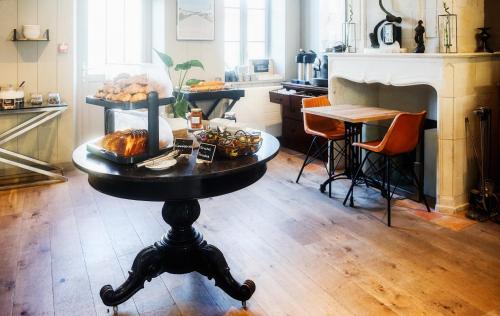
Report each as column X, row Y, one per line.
column 164, row 165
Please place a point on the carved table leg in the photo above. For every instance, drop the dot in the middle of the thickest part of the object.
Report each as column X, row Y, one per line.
column 214, row 265
column 146, row 266
column 181, row 250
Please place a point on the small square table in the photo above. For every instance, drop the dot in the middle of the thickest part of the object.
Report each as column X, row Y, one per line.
column 353, row 116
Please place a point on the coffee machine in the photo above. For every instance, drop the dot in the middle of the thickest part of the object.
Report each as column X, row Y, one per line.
column 321, row 72
column 305, row 64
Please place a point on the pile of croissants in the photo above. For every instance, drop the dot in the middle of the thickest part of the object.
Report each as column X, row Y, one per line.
column 127, row 88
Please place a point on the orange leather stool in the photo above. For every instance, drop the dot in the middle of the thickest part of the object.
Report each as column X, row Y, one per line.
column 321, row 127
column 401, row 138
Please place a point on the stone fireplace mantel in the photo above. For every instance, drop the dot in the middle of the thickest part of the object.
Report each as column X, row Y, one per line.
column 461, row 81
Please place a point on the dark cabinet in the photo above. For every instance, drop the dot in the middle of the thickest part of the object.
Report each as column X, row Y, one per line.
column 293, row 135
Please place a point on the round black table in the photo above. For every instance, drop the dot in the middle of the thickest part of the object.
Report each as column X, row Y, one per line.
column 182, row 249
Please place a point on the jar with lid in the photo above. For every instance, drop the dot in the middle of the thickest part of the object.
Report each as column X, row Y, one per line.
column 195, row 119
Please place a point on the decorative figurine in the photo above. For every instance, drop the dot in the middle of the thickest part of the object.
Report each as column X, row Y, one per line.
column 388, row 31
column 419, row 37
column 482, row 40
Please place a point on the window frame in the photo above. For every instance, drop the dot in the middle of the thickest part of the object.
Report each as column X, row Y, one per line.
column 95, row 74
column 244, row 30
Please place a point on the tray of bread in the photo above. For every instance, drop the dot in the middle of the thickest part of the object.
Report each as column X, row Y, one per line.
column 124, row 147
column 129, row 92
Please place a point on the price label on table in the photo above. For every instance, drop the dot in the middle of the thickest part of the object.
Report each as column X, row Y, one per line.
column 206, row 153
column 184, row 146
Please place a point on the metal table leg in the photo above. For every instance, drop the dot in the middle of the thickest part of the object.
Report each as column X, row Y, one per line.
column 55, row 174
column 352, row 155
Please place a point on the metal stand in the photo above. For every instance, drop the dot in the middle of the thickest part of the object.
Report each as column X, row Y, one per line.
column 386, row 188
column 216, row 96
column 15, row 159
column 151, row 104
column 483, row 201
column 352, row 155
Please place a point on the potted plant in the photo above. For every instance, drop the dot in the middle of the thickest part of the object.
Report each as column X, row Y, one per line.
column 180, row 106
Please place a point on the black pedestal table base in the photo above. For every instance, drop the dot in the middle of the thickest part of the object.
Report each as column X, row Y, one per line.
column 353, row 134
column 182, row 250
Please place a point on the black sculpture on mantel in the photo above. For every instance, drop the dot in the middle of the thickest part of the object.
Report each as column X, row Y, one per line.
column 482, row 40
column 390, row 28
column 419, row 37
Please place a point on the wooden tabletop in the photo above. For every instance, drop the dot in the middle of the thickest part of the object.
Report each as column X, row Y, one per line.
column 353, row 113
column 186, row 180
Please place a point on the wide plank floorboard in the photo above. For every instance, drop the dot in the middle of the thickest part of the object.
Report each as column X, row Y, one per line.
column 307, row 254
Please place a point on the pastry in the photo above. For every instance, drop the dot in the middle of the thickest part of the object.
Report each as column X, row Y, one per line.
column 123, row 97
column 126, row 88
column 138, row 97
column 126, row 143
column 135, row 88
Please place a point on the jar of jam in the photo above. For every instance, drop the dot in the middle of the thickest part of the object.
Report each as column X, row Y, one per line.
column 195, row 119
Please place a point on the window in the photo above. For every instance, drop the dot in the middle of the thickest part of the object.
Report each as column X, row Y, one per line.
column 246, row 31
column 117, row 33
column 331, row 16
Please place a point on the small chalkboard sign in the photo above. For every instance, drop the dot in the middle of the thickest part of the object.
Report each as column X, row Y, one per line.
column 206, row 152
column 184, row 146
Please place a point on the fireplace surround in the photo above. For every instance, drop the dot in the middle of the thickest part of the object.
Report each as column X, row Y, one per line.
column 450, row 85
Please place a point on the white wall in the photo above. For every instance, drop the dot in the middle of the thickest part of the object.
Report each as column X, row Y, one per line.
column 210, row 53
column 310, row 26
column 284, row 39
column 470, row 16
column 43, row 69
column 367, row 14
column 256, row 111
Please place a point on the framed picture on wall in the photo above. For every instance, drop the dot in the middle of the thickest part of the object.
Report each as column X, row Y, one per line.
column 195, row 20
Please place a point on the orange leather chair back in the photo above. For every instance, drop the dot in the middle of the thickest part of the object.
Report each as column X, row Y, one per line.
column 403, row 134
column 315, row 122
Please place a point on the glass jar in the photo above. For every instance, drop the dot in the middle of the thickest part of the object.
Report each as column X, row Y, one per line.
column 195, row 119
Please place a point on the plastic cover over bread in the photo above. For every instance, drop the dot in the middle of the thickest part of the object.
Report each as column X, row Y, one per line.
column 137, row 120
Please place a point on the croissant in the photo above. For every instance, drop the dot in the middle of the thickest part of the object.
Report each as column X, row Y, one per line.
column 123, row 97
column 138, row 97
column 134, row 88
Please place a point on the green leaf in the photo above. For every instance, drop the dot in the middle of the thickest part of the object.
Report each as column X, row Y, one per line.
column 183, row 66
column 189, row 64
column 196, row 63
column 167, row 60
column 193, row 82
column 181, row 108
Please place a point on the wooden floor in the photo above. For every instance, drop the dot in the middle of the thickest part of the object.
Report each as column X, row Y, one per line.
column 307, row 254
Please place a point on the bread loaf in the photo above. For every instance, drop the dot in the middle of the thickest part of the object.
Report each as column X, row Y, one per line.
column 126, row 143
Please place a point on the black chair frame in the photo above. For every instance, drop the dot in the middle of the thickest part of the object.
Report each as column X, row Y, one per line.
column 388, row 166
column 336, row 153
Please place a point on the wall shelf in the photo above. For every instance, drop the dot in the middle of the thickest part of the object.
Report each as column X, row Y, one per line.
column 17, row 37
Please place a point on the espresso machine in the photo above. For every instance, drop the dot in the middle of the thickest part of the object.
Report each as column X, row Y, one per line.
column 321, row 72
column 305, row 66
